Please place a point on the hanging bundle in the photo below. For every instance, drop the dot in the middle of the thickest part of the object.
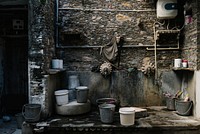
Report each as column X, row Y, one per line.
column 110, row 50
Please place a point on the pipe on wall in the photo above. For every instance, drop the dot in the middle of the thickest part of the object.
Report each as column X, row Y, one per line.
column 56, row 23
column 107, row 10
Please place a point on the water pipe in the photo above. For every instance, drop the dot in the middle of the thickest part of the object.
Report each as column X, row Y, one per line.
column 56, row 23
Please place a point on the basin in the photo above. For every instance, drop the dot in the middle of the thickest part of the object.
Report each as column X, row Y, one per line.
column 73, row 108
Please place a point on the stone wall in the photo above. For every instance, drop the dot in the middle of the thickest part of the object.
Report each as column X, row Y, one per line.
column 85, row 26
column 41, row 51
column 190, row 47
column 97, row 21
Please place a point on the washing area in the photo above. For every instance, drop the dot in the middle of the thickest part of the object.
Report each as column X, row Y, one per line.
column 125, row 96
column 106, row 113
column 73, row 100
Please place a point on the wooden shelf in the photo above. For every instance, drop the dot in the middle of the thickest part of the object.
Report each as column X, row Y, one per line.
column 55, row 71
column 183, row 69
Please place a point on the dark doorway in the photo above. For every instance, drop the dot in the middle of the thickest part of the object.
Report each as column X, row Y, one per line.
column 14, row 57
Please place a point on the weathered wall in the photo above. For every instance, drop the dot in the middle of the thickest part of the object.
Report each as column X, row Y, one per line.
column 190, row 52
column 41, row 50
column 129, row 88
column 96, row 22
column 84, row 26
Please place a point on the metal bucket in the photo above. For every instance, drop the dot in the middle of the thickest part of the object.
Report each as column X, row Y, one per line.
column 107, row 112
column 31, row 112
column 81, row 94
column 170, row 103
column 183, row 107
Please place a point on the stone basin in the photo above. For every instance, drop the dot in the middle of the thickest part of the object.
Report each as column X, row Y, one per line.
column 73, row 108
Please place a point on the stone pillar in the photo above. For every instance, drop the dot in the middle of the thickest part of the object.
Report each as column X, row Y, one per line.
column 41, row 48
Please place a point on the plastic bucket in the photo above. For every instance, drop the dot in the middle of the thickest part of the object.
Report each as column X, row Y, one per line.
column 73, row 82
column 177, row 62
column 31, row 112
column 20, row 119
column 170, row 103
column 183, row 107
column 107, row 112
column 81, row 94
column 127, row 116
column 61, row 97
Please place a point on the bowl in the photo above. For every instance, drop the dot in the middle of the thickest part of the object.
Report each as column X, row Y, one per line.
column 106, row 101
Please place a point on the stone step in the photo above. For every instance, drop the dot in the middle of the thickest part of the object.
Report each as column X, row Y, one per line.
column 73, row 108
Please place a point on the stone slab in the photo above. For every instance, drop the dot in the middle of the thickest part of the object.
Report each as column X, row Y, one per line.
column 73, row 108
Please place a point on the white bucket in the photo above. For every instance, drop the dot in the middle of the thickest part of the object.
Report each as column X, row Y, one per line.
column 57, row 63
column 61, row 97
column 127, row 116
column 177, row 62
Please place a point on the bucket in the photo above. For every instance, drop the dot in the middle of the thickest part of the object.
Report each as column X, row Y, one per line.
column 20, row 119
column 55, row 63
column 73, row 82
column 81, row 94
column 183, row 107
column 61, row 97
column 106, row 100
column 127, row 116
column 177, row 62
column 107, row 112
column 31, row 112
column 170, row 103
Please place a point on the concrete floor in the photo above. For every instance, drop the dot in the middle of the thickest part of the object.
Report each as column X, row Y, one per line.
column 158, row 121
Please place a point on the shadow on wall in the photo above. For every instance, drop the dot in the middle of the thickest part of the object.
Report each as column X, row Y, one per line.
column 129, row 88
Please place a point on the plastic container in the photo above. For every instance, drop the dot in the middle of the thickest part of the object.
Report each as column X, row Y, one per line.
column 177, row 62
column 62, row 97
column 185, row 63
column 107, row 112
column 127, row 116
column 81, row 94
column 170, row 103
column 57, row 63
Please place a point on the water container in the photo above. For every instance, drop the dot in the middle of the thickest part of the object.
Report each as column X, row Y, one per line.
column 55, row 63
column 61, row 97
column 127, row 116
column 183, row 107
column 73, row 82
column 166, row 9
column 81, row 94
column 31, row 112
column 107, row 112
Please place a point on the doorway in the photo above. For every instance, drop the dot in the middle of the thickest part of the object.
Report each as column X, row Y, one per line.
column 13, row 57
